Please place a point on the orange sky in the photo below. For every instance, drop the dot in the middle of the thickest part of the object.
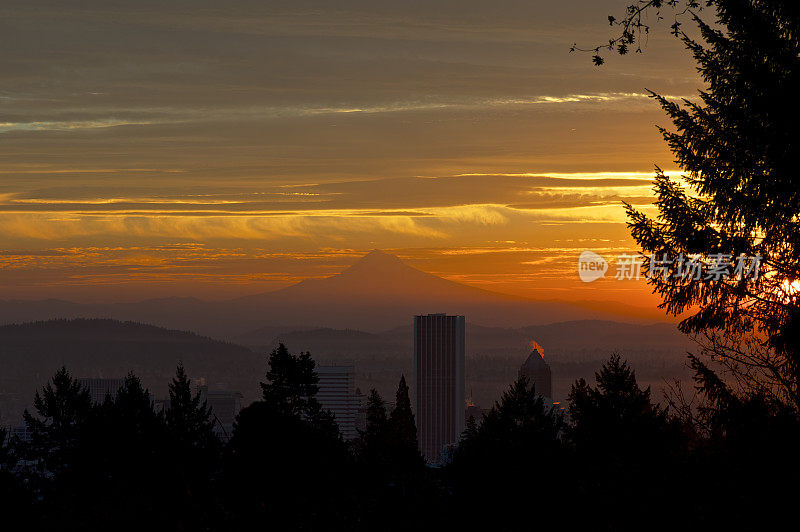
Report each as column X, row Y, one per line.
column 148, row 150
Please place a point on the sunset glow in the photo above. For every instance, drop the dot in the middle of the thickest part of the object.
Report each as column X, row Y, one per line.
column 271, row 148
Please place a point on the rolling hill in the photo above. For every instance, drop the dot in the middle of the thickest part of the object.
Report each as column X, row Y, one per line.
column 31, row 352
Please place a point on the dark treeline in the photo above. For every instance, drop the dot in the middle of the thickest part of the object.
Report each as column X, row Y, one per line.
column 615, row 460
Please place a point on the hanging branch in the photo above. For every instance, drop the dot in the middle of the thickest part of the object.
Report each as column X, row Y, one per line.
column 634, row 28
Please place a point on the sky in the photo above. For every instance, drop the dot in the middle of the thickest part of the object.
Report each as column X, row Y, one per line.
column 217, row 149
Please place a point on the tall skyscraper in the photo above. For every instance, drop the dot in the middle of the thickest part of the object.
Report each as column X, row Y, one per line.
column 439, row 382
column 537, row 371
column 337, row 393
column 99, row 389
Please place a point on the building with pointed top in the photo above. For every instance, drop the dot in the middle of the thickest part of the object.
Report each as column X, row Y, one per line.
column 537, row 371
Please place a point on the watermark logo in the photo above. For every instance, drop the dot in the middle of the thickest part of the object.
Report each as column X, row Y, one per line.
column 696, row 267
column 591, row 266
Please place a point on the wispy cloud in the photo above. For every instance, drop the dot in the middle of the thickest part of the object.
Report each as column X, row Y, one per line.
column 643, row 176
column 69, row 125
column 47, row 169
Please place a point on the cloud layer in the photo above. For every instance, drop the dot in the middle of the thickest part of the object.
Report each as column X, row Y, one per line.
column 170, row 134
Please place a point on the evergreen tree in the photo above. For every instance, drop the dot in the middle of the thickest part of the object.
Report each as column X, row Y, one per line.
column 737, row 148
column 617, row 414
column 125, row 463
column 396, row 491
column 5, row 449
column 286, row 463
column 376, row 412
column 521, row 417
column 15, row 498
column 194, row 450
column 403, row 453
column 513, row 456
column 188, row 418
column 373, row 440
column 291, row 385
column 105, row 466
column 322, row 419
column 291, row 381
column 738, row 197
column 401, row 421
column 133, row 407
column 470, row 430
column 62, row 408
column 618, row 432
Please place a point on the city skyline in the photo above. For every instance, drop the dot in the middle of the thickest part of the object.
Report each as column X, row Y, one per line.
column 295, row 265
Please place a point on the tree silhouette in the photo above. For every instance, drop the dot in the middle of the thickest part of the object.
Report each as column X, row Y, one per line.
column 514, row 453
column 388, row 445
column 738, row 197
column 405, row 458
column 634, row 26
column 188, row 417
column 15, row 499
column 99, row 467
column 401, row 420
column 133, row 408
column 292, row 386
column 618, row 432
column 125, row 462
column 194, row 451
column 5, row 450
column 396, row 492
column 743, row 440
column 519, row 419
column 471, row 429
column 61, row 409
column 377, row 417
column 286, row 463
column 616, row 415
column 291, row 381
column 373, row 442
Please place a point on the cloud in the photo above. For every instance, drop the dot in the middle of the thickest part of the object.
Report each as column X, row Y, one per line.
column 303, row 125
column 68, row 125
column 303, row 225
column 394, row 196
column 577, row 176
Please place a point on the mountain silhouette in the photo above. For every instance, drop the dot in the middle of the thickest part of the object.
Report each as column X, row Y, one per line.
column 376, row 293
column 381, row 276
column 380, row 291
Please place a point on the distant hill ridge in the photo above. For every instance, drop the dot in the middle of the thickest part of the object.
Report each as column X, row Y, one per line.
column 98, row 326
column 31, row 352
column 571, row 336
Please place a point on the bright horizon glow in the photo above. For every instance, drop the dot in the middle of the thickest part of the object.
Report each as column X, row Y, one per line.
column 263, row 150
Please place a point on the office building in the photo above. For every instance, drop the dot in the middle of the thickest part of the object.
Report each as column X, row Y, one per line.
column 337, row 393
column 438, row 382
column 537, row 371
